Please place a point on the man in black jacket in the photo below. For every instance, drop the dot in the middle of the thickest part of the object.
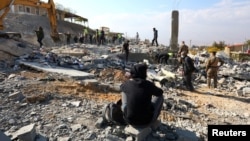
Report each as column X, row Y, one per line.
column 162, row 58
column 141, row 99
column 188, row 69
column 155, row 37
column 40, row 35
column 125, row 49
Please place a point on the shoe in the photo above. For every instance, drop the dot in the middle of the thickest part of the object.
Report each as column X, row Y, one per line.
column 105, row 113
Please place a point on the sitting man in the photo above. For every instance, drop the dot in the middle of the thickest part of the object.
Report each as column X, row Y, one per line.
column 141, row 99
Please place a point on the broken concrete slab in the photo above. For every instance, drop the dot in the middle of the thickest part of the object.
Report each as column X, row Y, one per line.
column 139, row 133
column 246, row 91
column 54, row 69
column 26, row 133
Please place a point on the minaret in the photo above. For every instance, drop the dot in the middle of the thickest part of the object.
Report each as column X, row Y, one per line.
column 174, row 30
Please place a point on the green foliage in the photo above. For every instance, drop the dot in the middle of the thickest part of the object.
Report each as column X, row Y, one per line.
column 221, row 45
column 247, row 42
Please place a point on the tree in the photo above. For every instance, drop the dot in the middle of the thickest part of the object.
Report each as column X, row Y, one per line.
column 221, row 45
column 247, row 42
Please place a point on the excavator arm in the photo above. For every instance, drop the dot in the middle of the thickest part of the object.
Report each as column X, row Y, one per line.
column 5, row 6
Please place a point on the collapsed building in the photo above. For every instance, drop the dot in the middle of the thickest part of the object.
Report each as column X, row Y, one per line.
column 57, row 92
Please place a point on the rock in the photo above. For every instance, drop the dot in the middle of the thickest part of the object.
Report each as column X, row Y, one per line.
column 18, row 96
column 76, row 127
column 139, row 133
column 76, row 103
column 246, row 91
column 26, row 133
column 99, row 123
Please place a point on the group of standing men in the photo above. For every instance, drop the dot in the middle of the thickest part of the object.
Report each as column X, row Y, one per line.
column 212, row 65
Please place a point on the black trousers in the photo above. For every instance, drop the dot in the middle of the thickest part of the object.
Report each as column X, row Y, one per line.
column 40, row 42
column 188, row 81
column 155, row 40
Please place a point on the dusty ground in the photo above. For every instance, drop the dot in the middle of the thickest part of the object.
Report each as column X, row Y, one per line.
column 71, row 87
column 204, row 98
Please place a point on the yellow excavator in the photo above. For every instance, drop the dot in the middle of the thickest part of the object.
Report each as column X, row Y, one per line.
column 5, row 6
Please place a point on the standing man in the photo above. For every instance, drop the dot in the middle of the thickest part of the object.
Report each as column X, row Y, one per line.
column 68, row 37
column 183, row 47
column 188, row 69
column 212, row 65
column 86, row 34
column 125, row 49
column 102, row 37
column 155, row 37
column 97, row 36
column 40, row 35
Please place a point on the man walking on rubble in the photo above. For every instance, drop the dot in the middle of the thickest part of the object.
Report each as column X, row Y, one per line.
column 155, row 37
column 40, row 35
column 212, row 65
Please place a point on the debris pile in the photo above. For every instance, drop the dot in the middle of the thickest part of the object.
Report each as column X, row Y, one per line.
column 58, row 93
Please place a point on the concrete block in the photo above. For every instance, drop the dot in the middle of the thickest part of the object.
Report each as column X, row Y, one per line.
column 3, row 137
column 139, row 133
column 246, row 91
column 26, row 133
column 89, row 82
column 100, row 122
column 76, row 103
column 63, row 139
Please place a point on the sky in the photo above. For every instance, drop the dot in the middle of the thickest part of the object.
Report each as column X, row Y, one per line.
column 201, row 22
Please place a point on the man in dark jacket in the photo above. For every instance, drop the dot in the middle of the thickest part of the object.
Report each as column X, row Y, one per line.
column 125, row 49
column 155, row 37
column 188, row 69
column 40, row 35
column 141, row 99
column 162, row 58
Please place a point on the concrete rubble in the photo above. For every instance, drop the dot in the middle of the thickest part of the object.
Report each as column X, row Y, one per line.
column 51, row 116
column 40, row 103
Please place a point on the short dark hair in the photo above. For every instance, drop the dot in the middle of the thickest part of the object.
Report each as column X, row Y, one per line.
column 139, row 71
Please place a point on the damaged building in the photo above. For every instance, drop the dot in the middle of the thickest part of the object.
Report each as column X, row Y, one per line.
column 58, row 92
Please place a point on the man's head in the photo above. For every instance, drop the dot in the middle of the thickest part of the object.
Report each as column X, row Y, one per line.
column 154, row 28
column 139, row 71
column 213, row 53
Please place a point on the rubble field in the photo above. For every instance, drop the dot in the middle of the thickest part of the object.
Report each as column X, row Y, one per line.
column 40, row 105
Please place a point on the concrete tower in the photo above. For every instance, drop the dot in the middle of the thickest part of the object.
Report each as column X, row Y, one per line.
column 174, row 30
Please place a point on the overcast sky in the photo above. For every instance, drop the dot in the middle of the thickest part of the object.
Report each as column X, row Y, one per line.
column 201, row 22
